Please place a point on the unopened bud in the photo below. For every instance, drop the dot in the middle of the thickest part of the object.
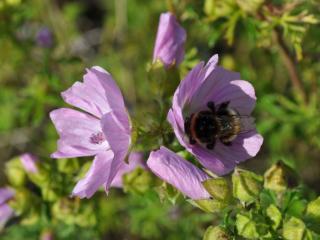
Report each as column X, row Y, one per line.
column 246, row 185
column 216, row 233
column 274, row 178
column 218, row 188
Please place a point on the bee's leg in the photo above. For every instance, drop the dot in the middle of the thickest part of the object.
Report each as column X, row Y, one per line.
column 211, row 145
column 226, row 142
column 223, row 108
column 187, row 123
column 211, row 105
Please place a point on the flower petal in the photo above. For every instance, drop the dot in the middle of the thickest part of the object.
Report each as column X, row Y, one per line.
column 116, row 127
column 28, row 161
column 223, row 159
column 5, row 194
column 135, row 160
column 80, row 134
column 98, row 94
column 170, row 40
column 178, row 172
column 6, row 213
column 99, row 173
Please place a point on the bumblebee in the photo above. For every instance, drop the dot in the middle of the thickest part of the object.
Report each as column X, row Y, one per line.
column 222, row 123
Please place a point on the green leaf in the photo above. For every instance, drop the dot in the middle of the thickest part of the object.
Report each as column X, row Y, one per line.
column 216, row 233
column 275, row 215
column 250, row 6
column 246, row 185
column 267, row 197
column 218, row 188
column 246, row 227
column 294, row 204
column 208, row 205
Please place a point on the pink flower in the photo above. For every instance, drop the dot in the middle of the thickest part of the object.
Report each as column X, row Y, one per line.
column 29, row 161
column 103, row 130
column 171, row 37
column 180, row 173
column 6, row 212
column 209, row 83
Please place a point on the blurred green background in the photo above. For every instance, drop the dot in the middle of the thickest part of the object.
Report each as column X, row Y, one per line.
column 273, row 43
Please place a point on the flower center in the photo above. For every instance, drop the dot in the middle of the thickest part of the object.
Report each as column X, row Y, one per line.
column 97, row 138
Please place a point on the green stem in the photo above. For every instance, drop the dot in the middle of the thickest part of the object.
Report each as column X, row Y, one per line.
column 290, row 65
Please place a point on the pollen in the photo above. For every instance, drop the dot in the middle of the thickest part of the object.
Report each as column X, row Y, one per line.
column 97, row 138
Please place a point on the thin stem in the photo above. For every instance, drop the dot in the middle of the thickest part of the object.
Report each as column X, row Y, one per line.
column 289, row 63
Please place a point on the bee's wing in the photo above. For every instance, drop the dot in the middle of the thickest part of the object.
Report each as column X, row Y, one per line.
column 247, row 124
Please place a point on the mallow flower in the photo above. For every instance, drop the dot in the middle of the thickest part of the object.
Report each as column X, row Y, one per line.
column 205, row 88
column 102, row 129
column 170, row 40
column 6, row 212
column 178, row 172
column 29, row 162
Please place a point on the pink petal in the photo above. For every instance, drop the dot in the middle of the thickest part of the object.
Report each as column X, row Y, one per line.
column 135, row 161
column 170, row 40
column 178, row 172
column 98, row 94
column 6, row 213
column 223, row 159
column 117, row 129
column 29, row 161
column 5, row 194
column 78, row 132
column 99, row 173
column 216, row 82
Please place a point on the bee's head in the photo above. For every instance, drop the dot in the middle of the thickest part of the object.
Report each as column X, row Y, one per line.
column 205, row 126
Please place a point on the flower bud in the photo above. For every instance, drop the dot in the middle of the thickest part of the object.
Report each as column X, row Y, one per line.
column 313, row 210
column 29, row 162
column 208, row 205
column 218, row 188
column 294, row 229
column 246, row 227
column 216, row 233
column 169, row 45
column 246, row 185
column 22, row 201
column 15, row 172
column 274, row 178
